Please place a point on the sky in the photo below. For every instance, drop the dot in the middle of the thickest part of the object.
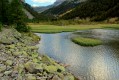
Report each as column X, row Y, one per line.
column 36, row 3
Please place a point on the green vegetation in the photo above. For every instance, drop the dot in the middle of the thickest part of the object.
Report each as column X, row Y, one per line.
column 4, row 11
column 37, row 17
column 86, row 41
column 11, row 13
column 67, row 28
column 62, row 8
column 96, row 10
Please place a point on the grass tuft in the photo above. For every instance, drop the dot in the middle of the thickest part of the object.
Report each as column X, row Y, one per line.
column 86, row 41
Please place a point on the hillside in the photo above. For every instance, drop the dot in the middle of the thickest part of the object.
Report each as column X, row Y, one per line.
column 35, row 14
column 96, row 10
column 62, row 8
column 43, row 8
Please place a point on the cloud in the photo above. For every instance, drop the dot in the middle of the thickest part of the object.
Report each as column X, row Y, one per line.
column 44, row 1
column 35, row 5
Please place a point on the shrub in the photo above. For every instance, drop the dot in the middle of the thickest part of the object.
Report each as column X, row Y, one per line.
column 22, row 28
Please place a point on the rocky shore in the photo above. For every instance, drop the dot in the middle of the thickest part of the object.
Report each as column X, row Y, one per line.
column 19, row 59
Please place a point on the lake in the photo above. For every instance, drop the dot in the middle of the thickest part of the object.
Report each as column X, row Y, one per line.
column 89, row 63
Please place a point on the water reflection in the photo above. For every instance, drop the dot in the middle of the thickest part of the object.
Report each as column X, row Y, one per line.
column 90, row 63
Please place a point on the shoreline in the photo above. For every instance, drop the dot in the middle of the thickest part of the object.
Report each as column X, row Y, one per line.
column 20, row 59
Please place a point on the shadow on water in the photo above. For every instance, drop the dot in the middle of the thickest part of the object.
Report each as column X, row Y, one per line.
column 89, row 63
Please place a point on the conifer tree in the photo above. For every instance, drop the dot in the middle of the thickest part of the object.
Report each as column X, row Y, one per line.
column 17, row 16
column 4, row 11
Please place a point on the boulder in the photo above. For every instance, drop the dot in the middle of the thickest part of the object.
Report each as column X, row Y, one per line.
column 9, row 62
column 2, row 68
column 33, row 67
column 30, row 77
column 56, row 78
column 50, row 68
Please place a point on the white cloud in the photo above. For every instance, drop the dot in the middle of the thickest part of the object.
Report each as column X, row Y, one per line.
column 44, row 1
column 35, row 5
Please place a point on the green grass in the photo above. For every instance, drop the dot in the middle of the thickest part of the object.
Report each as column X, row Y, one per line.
column 68, row 28
column 86, row 41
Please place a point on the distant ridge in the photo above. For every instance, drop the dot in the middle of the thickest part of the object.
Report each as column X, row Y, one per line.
column 64, row 7
column 43, row 8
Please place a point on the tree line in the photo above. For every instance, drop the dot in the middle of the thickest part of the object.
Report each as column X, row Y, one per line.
column 11, row 14
column 96, row 10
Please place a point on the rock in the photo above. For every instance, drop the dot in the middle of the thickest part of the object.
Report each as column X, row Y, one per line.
column 61, row 75
column 7, row 72
column 11, row 46
column 50, row 68
column 48, row 60
column 69, row 77
column 24, row 53
column 9, row 62
column 60, row 68
column 3, row 58
column 54, row 68
column 1, row 74
column 56, row 78
column 2, row 68
column 30, row 77
column 14, row 73
column 17, row 53
column 33, row 67
column 39, row 74
column 20, row 68
column 28, row 64
column 36, row 60
column 34, row 55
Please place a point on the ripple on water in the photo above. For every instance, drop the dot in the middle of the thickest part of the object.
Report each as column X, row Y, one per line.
column 89, row 63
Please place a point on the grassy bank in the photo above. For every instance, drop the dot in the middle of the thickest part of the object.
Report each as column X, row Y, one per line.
column 67, row 28
column 86, row 41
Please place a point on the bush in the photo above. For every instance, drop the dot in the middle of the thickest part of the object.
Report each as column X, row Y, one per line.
column 22, row 28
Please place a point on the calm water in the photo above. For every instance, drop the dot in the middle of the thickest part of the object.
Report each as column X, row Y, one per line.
column 88, row 63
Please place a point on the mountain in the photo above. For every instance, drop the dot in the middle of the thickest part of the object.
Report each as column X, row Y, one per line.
column 65, row 6
column 43, row 8
column 96, row 10
column 32, row 14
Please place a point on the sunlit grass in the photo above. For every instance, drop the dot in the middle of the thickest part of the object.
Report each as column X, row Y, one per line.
column 86, row 41
column 67, row 28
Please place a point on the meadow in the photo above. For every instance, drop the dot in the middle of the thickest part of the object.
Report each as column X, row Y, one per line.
column 38, row 28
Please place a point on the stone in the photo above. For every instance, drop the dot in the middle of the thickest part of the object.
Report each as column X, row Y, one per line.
column 33, row 67
column 56, row 78
column 30, row 77
column 48, row 60
column 34, row 55
column 7, row 72
column 60, row 68
column 2, row 68
column 50, row 68
column 9, row 62
column 17, row 53
column 35, row 60
column 69, row 77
